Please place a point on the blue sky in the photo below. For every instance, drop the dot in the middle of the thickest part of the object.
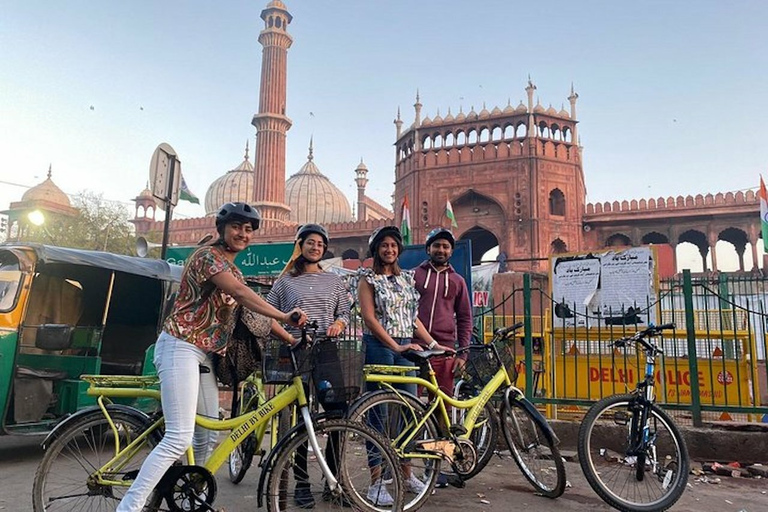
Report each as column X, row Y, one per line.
column 671, row 93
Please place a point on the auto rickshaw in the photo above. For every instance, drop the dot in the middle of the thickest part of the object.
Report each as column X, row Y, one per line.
column 67, row 312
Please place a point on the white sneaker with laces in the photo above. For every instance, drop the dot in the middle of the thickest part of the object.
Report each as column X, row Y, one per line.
column 379, row 495
column 414, row 485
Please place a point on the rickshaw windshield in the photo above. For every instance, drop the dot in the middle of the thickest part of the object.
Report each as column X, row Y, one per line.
column 10, row 279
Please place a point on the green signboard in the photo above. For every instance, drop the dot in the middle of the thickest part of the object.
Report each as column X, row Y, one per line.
column 255, row 260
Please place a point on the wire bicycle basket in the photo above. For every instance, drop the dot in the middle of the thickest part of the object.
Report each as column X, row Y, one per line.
column 482, row 364
column 337, row 372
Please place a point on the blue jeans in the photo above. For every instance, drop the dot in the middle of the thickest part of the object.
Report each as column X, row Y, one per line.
column 378, row 417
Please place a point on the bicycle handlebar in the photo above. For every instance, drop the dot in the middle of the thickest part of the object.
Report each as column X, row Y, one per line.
column 639, row 337
column 504, row 331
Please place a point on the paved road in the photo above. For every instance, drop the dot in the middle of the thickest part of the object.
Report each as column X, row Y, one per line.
column 502, row 486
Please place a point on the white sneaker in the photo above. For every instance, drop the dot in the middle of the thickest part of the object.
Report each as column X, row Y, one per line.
column 379, row 495
column 414, row 485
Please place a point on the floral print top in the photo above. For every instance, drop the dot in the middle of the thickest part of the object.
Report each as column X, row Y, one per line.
column 203, row 314
column 395, row 298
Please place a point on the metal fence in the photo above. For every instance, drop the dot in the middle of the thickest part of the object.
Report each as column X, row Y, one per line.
column 714, row 363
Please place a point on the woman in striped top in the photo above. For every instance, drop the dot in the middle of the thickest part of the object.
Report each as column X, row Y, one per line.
column 324, row 299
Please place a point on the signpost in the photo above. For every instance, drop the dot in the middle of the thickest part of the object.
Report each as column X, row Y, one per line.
column 165, row 178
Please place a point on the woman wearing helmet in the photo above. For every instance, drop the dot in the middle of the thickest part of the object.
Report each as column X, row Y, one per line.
column 323, row 296
column 200, row 323
column 389, row 306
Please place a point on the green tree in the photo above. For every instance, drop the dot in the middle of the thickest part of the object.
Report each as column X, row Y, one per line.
column 100, row 225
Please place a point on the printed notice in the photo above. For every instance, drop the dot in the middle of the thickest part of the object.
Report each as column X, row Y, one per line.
column 608, row 288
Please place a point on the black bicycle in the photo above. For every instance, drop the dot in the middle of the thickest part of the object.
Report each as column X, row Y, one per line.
column 630, row 450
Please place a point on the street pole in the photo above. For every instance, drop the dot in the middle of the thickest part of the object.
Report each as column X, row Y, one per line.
column 168, row 205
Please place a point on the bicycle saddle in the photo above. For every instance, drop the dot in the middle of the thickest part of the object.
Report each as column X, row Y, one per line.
column 417, row 356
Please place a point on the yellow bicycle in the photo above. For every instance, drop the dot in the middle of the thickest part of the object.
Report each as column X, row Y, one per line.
column 422, row 433
column 93, row 456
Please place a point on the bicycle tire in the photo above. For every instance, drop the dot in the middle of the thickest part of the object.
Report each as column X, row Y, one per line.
column 61, row 479
column 397, row 407
column 533, row 448
column 241, row 458
column 353, row 477
column 485, row 435
column 599, row 439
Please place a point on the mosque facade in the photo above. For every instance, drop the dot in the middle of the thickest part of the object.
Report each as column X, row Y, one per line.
column 513, row 175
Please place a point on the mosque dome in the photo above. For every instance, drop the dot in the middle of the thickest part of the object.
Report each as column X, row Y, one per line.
column 564, row 113
column 551, row 111
column 521, row 109
column 313, row 198
column 47, row 192
column 235, row 185
column 538, row 109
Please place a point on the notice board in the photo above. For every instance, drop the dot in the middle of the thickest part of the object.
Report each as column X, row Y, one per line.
column 611, row 287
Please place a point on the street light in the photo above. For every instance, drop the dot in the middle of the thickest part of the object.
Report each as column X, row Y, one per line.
column 36, row 217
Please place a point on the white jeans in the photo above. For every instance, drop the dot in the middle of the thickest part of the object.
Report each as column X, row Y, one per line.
column 184, row 391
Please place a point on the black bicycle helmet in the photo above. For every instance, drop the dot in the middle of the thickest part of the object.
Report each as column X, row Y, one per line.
column 308, row 229
column 378, row 235
column 440, row 233
column 231, row 212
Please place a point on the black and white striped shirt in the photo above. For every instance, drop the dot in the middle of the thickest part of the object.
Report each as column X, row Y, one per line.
column 321, row 295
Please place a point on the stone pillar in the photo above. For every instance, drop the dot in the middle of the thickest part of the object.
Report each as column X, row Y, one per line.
column 712, row 241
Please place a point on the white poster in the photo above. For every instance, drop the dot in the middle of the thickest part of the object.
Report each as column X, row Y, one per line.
column 607, row 288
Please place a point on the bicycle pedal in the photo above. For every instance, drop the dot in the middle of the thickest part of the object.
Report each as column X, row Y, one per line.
column 457, row 430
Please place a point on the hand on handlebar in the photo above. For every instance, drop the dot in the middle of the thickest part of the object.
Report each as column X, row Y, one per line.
column 335, row 329
column 296, row 317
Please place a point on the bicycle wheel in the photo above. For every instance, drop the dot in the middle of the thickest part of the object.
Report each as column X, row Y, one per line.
column 485, row 435
column 649, row 481
column 395, row 416
column 296, row 481
column 63, row 481
column 533, row 448
column 241, row 458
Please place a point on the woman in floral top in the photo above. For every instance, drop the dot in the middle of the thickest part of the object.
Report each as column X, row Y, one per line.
column 200, row 323
column 389, row 305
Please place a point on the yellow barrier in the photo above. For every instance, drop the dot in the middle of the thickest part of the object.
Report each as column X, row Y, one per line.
column 579, row 378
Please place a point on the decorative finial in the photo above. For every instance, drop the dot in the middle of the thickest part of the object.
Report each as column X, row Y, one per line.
column 361, row 160
column 311, row 145
column 461, row 107
column 484, row 106
column 398, row 112
column 571, row 87
column 50, row 166
column 509, row 101
column 417, row 95
column 246, row 150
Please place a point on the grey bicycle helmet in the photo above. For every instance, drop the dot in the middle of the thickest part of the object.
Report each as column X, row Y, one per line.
column 307, row 229
column 243, row 212
column 440, row 233
column 378, row 235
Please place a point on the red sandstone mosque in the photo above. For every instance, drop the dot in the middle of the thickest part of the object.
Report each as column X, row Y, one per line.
column 513, row 174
